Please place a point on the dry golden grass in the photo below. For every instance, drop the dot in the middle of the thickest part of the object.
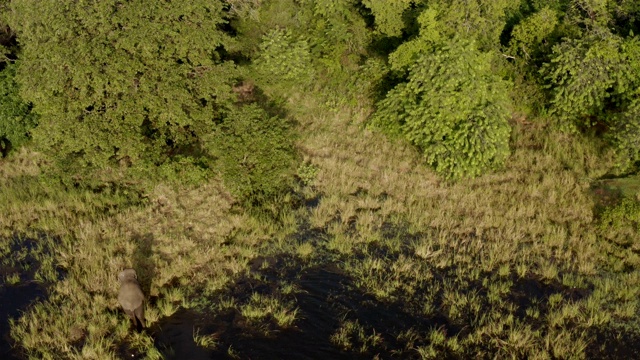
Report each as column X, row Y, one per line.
column 533, row 203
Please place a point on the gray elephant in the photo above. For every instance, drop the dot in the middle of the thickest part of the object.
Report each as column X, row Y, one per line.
column 131, row 297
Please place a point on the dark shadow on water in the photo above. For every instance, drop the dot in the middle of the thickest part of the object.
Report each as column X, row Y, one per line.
column 613, row 344
column 325, row 298
column 15, row 299
column 174, row 336
column 529, row 292
column 322, row 301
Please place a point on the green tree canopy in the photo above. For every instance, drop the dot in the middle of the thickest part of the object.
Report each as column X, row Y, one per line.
column 114, row 80
column 453, row 108
column 591, row 75
column 479, row 20
column 283, row 58
column 584, row 73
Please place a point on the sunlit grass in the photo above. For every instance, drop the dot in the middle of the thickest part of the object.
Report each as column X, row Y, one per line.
column 352, row 336
column 261, row 308
column 205, row 341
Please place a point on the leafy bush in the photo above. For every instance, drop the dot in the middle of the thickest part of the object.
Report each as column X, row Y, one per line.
column 621, row 224
column 430, row 35
column 255, row 154
column 595, row 81
column 479, row 20
column 307, row 173
column 16, row 117
column 388, row 15
column 282, row 58
column 528, row 37
column 453, row 108
column 324, row 40
column 624, row 134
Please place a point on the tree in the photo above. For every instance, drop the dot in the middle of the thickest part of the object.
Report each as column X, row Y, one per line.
column 624, row 134
column 388, row 15
column 453, row 108
column 528, row 37
column 283, row 59
column 122, row 80
column 588, row 77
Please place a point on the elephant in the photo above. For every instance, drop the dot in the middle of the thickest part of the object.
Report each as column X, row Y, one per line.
column 131, row 297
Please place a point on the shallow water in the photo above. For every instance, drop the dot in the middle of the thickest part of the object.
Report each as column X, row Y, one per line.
column 325, row 299
column 16, row 298
column 13, row 300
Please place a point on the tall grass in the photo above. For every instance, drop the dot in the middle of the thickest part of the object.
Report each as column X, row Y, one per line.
column 512, row 260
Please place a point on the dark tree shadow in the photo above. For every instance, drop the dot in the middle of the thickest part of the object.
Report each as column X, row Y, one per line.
column 14, row 299
column 325, row 299
column 142, row 262
column 328, row 301
column 174, row 336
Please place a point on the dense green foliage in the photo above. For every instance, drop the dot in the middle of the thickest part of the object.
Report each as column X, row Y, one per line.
column 122, row 80
column 621, row 224
column 575, row 60
column 332, row 31
column 586, row 75
column 116, row 88
column 454, row 109
column 283, row 60
column 254, row 152
column 145, row 89
column 16, row 117
column 624, row 133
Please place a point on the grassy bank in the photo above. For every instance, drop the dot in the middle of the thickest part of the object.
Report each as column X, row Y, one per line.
column 511, row 264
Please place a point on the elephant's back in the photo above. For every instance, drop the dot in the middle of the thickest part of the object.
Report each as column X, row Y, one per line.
column 130, row 296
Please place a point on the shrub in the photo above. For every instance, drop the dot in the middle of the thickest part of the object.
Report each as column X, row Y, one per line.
column 528, row 37
column 255, row 154
column 586, row 76
column 624, row 134
column 284, row 59
column 621, row 224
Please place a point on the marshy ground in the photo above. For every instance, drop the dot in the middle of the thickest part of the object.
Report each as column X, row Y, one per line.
column 373, row 256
